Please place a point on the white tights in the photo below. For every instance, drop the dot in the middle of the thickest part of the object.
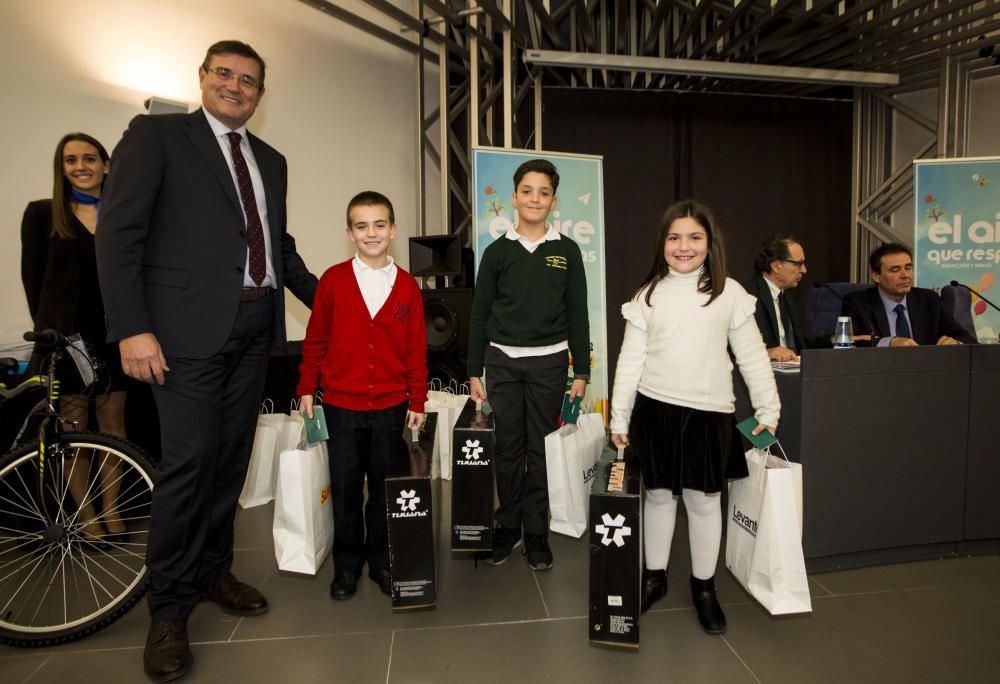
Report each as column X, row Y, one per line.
column 704, row 513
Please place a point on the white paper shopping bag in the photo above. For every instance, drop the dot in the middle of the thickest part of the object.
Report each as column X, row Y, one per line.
column 764, row 534
column 303, row 513
column 448, row 406
column 571, row 456
column 258, row 488
column 275, row 432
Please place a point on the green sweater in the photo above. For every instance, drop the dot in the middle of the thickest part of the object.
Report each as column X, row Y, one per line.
column 530, row 299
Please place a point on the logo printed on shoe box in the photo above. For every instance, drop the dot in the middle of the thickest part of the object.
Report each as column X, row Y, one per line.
column 472, row 454
column 745, row 521
column 408, row 501
column 613, row 530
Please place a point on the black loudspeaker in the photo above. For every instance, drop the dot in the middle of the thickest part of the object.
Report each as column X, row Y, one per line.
column 447, row 312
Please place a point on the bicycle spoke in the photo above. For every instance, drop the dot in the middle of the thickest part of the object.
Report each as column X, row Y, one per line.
column 13, row 595
column 28, row 491
column 60, row 575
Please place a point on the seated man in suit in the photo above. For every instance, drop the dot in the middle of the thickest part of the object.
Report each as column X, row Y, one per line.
column 779, row 265
column 901, row 315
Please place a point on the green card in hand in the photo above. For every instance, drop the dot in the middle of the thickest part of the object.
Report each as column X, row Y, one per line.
column 316, row 426
column 762, row 440
column 570, row 409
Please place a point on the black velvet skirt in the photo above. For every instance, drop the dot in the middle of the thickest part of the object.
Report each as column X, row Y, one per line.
column 681, row 447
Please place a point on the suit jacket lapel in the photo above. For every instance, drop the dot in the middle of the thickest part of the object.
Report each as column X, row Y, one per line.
column 204, row 141
column 764, row 296
column 920, row 319
column 878, row 312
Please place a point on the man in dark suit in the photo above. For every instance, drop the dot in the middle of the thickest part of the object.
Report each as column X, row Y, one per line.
column 779, row 266
column 193, row 255
column 903, row 315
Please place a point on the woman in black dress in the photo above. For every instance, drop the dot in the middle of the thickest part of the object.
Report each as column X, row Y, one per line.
column 59, row 272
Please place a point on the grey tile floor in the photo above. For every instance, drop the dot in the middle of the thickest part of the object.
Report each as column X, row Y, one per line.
column 934, row 621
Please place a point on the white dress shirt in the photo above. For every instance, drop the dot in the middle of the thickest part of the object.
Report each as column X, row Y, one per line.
column 775, row 291
column 375, row 283
column 222, row 132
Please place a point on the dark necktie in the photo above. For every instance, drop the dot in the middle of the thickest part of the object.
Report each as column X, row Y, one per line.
column 786, row 322
column 902, row 327
column 255, row 229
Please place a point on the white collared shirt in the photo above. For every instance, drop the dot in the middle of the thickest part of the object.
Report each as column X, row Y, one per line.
column 890, row 313
column 775, row 291
column 550, row 234
column 375, row 283
column 521, row 352
column 221, row 132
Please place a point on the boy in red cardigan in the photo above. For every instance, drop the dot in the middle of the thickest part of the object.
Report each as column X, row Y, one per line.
column 366, row 348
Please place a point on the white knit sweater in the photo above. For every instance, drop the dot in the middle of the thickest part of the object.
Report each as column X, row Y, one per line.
column 675, row 351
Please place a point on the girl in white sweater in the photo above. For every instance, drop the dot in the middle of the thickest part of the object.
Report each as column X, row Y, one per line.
column 673, row 396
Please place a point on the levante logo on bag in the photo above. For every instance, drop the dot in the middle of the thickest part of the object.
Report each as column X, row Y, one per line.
column 324, row 495
column 408, row 501
column 613, row 530
column 472, row 454
column 745, row 521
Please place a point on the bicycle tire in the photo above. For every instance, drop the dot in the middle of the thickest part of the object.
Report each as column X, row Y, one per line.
column 58, row 582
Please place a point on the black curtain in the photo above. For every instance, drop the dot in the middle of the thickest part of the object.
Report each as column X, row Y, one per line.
column 763, row 164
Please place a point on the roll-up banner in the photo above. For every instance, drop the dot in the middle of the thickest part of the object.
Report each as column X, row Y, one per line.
column 957, row 231
column 579, row 215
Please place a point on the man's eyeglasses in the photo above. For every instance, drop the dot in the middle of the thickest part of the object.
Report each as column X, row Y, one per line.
column 797, row 264
column 225, row 74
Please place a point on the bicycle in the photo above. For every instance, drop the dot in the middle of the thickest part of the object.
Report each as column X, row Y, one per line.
column 58, row 581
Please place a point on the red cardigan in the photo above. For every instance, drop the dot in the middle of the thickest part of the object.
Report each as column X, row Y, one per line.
column 363, row 364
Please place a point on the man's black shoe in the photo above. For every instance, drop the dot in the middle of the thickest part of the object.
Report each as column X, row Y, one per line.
column 344, row 585
column 383, row 579
column 505, row 540
column 167, row 656
column 536, row 548
column 236, row 598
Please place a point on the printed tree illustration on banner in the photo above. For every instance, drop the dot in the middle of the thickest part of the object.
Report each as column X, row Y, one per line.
column 494, row 205
column 936, row 211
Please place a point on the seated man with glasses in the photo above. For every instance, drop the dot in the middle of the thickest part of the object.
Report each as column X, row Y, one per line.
column 779, row 265
column 902, row 315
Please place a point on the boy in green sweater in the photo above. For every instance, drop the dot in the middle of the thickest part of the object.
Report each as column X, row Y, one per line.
column 529, row 313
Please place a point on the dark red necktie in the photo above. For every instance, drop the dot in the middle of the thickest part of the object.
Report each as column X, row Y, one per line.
column 255, row 229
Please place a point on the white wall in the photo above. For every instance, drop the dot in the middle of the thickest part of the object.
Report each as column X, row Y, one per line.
column 339, row 105
column 984, row 133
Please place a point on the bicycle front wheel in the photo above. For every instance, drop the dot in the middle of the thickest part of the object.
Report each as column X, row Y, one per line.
column 65, row 570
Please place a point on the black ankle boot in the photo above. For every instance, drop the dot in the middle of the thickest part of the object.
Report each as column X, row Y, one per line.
column 710, row 613
column 654, row 587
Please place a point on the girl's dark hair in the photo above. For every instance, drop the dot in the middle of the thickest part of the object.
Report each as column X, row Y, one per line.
column 62, row 190
column 713, row 278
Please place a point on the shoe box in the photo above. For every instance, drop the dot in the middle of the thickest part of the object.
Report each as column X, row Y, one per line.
column 615, row 551
column 472, row 481
column 410, row 518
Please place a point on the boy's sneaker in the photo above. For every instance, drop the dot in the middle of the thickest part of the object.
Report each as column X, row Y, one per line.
column 536, row 548
column 505, row 540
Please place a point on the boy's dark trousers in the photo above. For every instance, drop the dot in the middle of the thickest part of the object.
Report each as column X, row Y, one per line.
column 526, row 395
column 361, row 444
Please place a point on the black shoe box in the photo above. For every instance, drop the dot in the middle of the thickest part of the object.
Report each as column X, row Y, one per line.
column 410, row 517
column 615, row 551
column 472, row 481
